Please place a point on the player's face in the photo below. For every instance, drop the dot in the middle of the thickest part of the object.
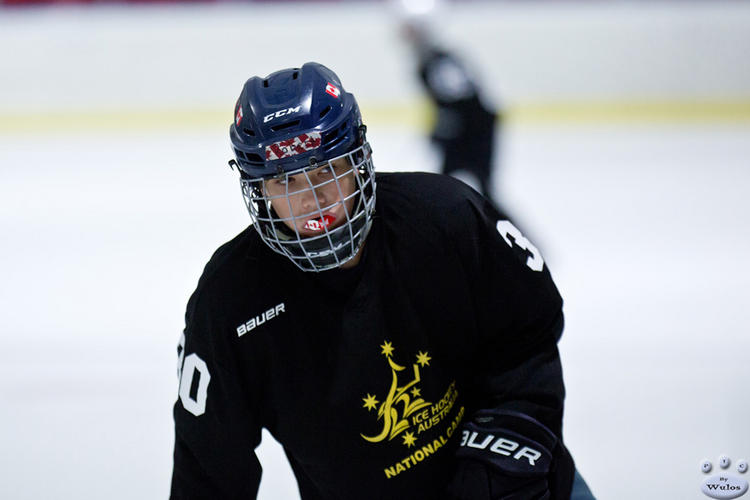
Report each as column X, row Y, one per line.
column 314, row 200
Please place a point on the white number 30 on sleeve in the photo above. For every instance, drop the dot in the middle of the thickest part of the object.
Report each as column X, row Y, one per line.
column 187, row 366
column 506, row 229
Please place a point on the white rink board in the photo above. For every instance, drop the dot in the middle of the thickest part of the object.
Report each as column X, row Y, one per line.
column 198, row 56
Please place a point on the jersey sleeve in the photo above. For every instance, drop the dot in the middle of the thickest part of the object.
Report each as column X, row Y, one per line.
column 216, row 426
column 519, row 316
column 516, row 385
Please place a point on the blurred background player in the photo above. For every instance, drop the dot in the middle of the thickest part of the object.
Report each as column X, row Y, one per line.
column 465, row 127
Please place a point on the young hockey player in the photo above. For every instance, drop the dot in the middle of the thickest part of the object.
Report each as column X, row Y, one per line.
column 393, row 332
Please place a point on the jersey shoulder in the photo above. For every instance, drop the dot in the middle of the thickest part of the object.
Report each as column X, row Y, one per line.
column 227, row 257
column 224, row 277
column 433, row 199
column 446, row 213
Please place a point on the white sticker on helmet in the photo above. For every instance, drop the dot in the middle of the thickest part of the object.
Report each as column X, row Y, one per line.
column 293, row 146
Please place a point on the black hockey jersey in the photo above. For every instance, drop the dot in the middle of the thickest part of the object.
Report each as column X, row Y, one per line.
column 365, row 375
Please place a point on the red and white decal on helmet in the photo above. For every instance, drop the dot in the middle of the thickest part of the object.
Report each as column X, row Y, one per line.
column 320, row 224
column 333, row 90
column 238, row 116
column 293, row 146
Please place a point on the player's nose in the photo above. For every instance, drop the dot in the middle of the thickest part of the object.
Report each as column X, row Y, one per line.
column 313, row 199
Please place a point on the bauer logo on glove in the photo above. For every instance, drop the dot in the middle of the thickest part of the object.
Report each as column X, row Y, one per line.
column 524, row 451
column 500, row 445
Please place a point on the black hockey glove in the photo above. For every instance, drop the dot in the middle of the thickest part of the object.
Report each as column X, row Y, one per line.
column 497, row 463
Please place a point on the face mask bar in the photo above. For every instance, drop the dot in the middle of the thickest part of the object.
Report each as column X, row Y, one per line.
column 328, row 247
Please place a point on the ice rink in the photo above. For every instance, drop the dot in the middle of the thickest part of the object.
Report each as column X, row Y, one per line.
column 645, row 226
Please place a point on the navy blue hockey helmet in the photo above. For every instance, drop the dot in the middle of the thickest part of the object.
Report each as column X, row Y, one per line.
column 291, row 123
column 291, row 119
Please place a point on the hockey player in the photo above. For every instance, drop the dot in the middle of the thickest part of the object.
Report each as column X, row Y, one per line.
column 465, row 128
column 393, row 332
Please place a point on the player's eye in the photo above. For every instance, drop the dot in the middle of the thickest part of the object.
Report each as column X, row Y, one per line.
column 278, row 186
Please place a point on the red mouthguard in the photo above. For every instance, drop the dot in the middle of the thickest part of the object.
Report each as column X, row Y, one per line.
column 320, row 224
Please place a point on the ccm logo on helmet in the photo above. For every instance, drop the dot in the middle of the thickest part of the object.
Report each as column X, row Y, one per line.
column 280, row 113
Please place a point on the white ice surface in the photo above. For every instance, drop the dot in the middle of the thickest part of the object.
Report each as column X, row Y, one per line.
column 104, row 236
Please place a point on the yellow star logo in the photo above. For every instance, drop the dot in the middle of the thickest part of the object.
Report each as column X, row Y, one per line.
column 415, row 392
column 409, row 439
column 370, row 402
column 387, row 348
column 423, row 358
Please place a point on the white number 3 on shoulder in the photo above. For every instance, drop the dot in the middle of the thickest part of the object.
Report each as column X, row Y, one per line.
column 507, row 231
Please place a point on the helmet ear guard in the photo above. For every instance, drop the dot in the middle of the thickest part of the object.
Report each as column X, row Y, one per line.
column 294, row 122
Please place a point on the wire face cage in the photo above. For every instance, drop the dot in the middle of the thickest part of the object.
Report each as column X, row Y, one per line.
column 317, row 216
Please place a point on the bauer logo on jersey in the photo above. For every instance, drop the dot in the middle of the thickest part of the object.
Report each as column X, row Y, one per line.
column 333, row 90
column 258, row 320
column 294, row 146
